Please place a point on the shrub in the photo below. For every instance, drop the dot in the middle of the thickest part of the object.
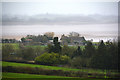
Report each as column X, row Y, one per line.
column 79, row 62
column 69, row 51
column 52, row 58
column 64, row 59
column 48, row 59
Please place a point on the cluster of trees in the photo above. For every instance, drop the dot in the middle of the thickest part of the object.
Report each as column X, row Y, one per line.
column 40, row 38
column 53, row 56
column 9, row 41
column 10, row 53
column 103, row 56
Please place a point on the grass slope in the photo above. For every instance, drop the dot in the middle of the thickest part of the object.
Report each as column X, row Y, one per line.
column 50, row 67
column 21, row 75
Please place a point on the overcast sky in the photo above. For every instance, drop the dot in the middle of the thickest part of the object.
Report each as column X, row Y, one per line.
column 86, row 8
column 61, row 12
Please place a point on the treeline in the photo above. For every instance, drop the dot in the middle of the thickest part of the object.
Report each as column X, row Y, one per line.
column 103, row 56
column 39, row 38
column 9, row 41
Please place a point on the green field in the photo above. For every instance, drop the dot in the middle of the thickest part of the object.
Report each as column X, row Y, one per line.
column 51, row 67
column 16, row 46
column 32, row 76
column 42, row 47
column 22, row 75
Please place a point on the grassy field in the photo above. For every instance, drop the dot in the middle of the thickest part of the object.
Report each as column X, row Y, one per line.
column 52, row 67
column 22, row 75
column 16, row 46
column 42, row 47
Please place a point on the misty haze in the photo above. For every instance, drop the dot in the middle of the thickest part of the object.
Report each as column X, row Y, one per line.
column 96, row 27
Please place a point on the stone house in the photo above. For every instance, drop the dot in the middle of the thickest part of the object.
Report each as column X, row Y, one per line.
column 72, row 40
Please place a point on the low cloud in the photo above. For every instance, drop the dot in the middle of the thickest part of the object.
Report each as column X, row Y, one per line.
column 53, row 19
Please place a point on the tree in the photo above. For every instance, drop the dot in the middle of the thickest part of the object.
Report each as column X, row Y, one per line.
column 78, row 52
column 66, row 50
column 100, row 59
column 74, row 34
column 50, row 35
column 39, row 50
column 119, row 56
column 28, row 53
column 89, row 50
column 6, row 51
column 112, row 55
column 43, row 39
column 79, row 62
column 101, row 48
column 56, row 47
column 6, row 41
column 23, row 39
column 50, row 48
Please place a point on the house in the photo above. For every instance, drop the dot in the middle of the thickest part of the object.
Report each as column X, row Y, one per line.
column 28, row 40
column 72, row 40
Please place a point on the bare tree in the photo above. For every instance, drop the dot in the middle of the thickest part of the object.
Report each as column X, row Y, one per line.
column 49, row 34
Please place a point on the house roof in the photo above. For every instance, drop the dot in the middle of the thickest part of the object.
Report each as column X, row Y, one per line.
column 28, row 39
column 77, row 38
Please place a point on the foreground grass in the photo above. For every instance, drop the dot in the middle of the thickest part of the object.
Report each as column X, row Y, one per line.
column 21, row 75
column 51, row 67
column 33, row 76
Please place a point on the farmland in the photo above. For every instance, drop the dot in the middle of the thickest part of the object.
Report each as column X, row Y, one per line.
column 21, row 75
column 50, row 67
column 43, row 67
column 16, row 46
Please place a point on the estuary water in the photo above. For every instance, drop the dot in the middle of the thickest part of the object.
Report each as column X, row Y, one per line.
column 92, row 31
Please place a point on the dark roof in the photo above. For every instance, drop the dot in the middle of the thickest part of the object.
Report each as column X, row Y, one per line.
column 74, row 38
column 77, row 38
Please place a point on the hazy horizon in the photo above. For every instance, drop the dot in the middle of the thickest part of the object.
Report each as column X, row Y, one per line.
column 20, row 31
column 94, row 20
